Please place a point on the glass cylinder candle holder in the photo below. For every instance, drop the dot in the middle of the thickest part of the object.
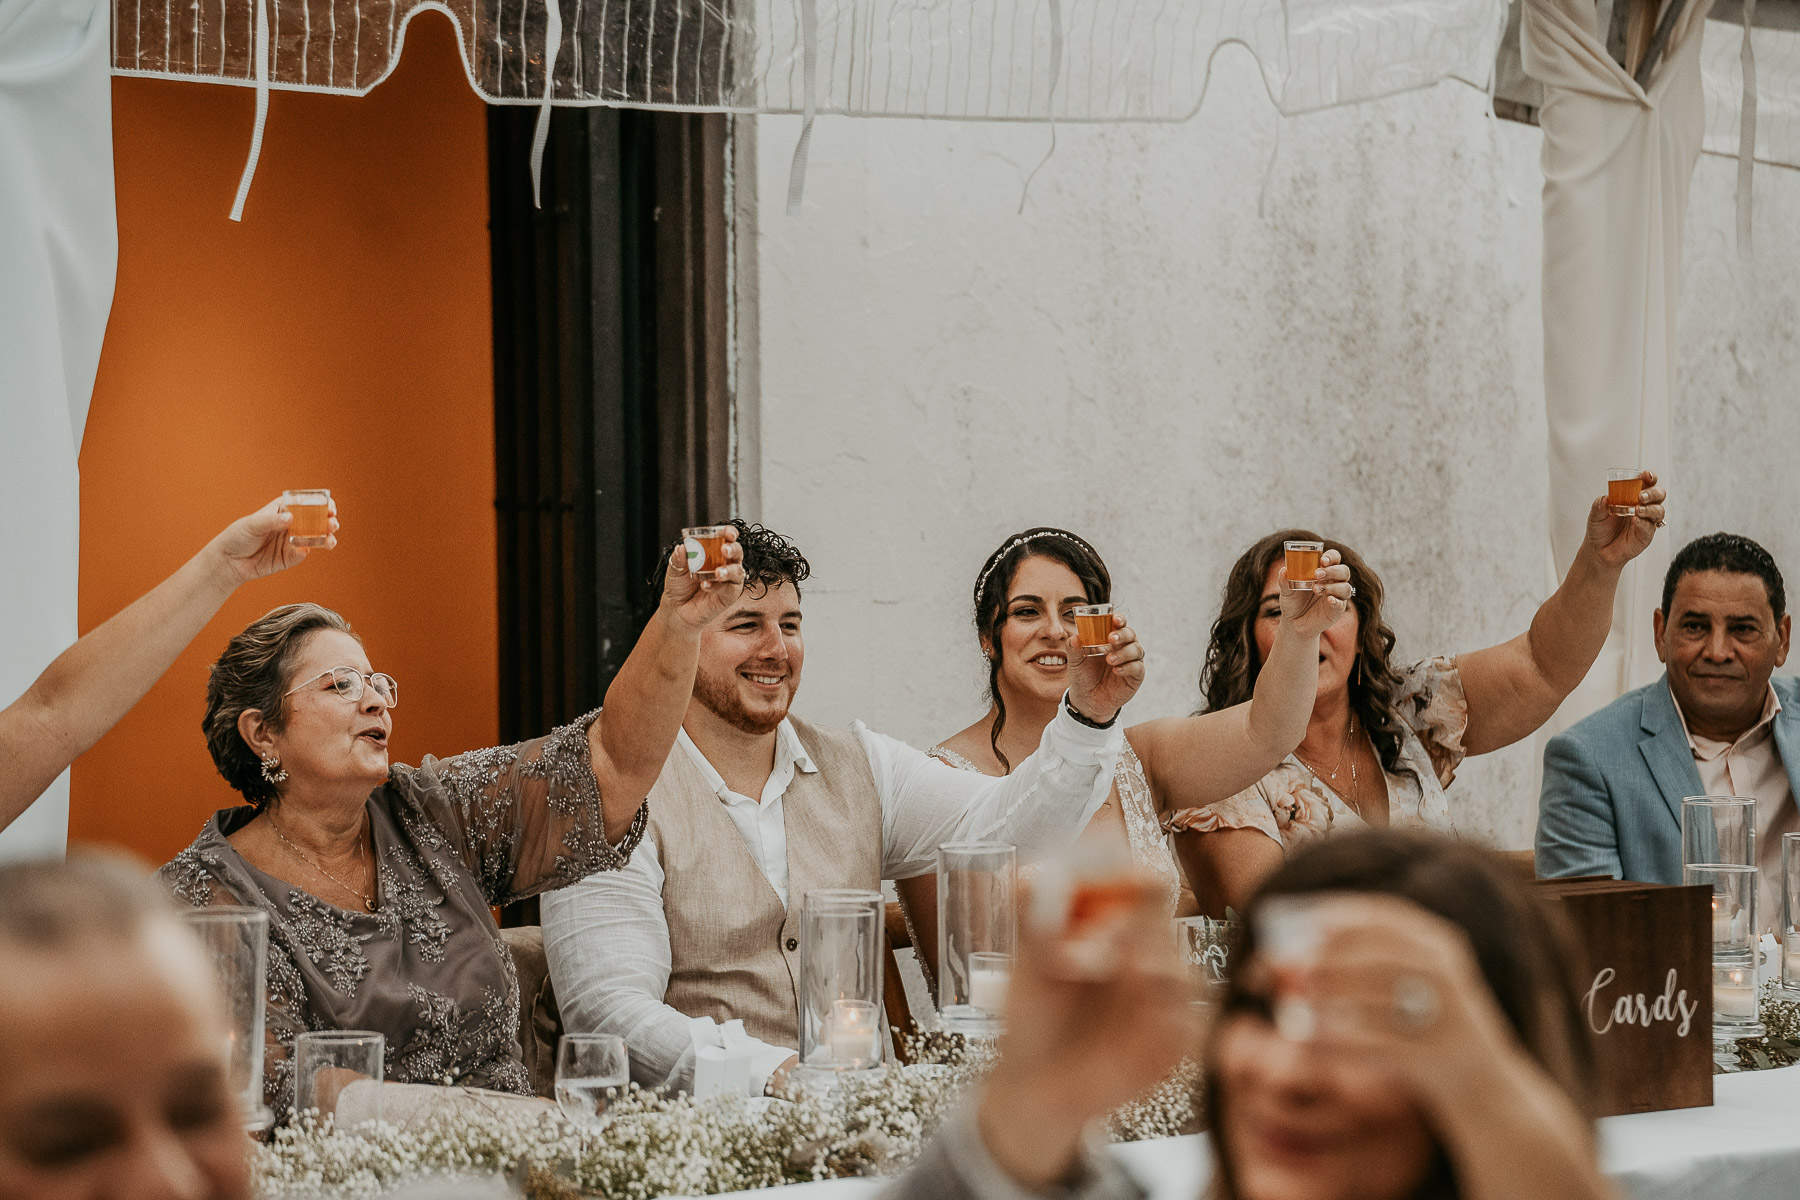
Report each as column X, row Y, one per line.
column 1206, row 948
column 1718, row 830
column 978, row 932
column 334, row 1067
column 236, row 942
column 1733, row 909
column 841, row 931
column 1790, row 916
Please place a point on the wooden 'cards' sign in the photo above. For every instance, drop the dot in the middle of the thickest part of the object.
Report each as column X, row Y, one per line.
column 1647, row 966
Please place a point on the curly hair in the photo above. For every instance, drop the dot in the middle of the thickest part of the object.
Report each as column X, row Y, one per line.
column 995, row 582
column 1232, row 661
column 770, row 560
column 253, row 674
column 1729, row 552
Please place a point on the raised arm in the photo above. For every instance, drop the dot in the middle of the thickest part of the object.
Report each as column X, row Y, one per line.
column 634, row 733
column 95, row 682
column 1195, row 761
column 1513, row 688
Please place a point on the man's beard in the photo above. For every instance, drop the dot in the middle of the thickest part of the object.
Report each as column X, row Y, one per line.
column 724, row 702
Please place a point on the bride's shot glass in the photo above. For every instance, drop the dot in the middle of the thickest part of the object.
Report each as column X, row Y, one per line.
column 1093, row 628
column 311, row 507
column 1303, row 564
column 1624, row 490
column 705, row 548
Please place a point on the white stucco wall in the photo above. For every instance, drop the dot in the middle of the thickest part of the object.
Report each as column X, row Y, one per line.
column 1142, row 358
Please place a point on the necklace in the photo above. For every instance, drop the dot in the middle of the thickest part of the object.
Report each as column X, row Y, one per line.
column 1353, row 799
column 368, row 900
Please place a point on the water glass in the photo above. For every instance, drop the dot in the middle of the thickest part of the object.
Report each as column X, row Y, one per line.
column 327, row 1063
column 592, row 1070
column 236, row 942
column 978, row 914
column 842, row 941
column 1790, row 917
column 1206, row 948
column 1718, row 830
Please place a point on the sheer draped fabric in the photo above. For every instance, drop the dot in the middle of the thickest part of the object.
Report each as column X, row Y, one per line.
column 451, row 838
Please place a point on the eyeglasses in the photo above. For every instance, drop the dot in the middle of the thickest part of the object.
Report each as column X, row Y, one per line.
column 348, row 683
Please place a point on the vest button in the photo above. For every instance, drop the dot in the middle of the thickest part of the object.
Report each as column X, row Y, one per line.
column 793, row 944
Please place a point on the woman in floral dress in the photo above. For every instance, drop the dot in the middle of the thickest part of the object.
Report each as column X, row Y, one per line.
column 1384, row 741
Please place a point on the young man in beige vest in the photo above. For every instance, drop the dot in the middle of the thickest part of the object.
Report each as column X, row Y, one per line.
column 756, row 808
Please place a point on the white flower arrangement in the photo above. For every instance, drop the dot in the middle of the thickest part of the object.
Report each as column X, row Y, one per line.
column 659, row 1145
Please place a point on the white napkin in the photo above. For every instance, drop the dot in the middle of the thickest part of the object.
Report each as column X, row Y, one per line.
column 721, row 1058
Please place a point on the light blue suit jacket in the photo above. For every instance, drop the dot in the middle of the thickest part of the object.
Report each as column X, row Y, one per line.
column 1613, row 784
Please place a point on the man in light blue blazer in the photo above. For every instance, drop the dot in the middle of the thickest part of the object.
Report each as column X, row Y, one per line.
column 1715, row 723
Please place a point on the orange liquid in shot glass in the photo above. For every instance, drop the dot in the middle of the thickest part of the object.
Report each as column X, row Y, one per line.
column 1302, row 565
column 310, row 521
column 1094, row 631
column 1623, row 494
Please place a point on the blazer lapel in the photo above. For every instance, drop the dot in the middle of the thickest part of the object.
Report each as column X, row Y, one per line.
column 1666, row 751
column 1787, row 731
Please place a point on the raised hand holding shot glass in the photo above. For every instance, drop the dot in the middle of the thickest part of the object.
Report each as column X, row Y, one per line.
column 1103, row 679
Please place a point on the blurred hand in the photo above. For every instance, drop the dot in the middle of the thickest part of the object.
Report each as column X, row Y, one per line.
column 1618, row 540
column 1077, row 1047
column 1100, row 686
column 258, row 545
column 1399, row 988
column 696, row 602
column 1311, row 613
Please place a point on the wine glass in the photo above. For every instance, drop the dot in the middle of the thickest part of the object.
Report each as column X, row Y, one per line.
column 591, row 1070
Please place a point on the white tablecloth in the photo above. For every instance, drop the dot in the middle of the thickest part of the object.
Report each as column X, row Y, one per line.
column 1745, row 1147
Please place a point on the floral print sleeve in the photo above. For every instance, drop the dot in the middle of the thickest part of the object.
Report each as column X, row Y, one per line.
column 526, row 818
column 1430, row 700
column 1249, row 809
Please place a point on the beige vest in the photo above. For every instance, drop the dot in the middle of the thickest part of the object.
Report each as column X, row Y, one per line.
column 733, row 948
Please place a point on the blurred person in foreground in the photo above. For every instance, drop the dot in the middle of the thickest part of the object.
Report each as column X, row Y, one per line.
column 95, row 682
column 1449, row 1057
column 112, row 1055
column 379, row 878
column 1716, row 724
column 1385, row 739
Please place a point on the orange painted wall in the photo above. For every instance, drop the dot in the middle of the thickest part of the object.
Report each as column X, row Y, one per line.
column 339, row 337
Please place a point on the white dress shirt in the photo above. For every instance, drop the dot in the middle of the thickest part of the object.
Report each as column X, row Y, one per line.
column 608, row 941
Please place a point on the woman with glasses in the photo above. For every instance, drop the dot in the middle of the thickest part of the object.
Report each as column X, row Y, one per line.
column 378, row 878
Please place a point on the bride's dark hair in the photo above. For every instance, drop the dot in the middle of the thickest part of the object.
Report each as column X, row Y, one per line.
column 995, row 582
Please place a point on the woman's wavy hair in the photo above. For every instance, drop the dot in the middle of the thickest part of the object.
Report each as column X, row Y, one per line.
column 1520, row 944
column 994, row 584
column 253, row 673
column 1232, row 663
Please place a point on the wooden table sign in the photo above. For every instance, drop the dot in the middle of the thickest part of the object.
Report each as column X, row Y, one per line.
column 1647, row 964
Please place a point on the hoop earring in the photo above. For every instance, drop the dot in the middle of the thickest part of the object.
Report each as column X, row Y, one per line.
column 272, row 770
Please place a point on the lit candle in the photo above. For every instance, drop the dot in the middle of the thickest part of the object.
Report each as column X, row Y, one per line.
column 1724, row 919
column 1734, row 992
column 854, row 1036
column 987, row 990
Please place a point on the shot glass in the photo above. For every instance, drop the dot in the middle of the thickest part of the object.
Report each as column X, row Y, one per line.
column 1093, row 628
column 328, row 1064
column 1624, row 490
column 311, row 507
column 1290, row 932
column 1303, row 564
column 705, row 547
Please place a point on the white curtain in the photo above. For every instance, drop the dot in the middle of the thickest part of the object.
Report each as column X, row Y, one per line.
column 1617, row 163
column 58, row 253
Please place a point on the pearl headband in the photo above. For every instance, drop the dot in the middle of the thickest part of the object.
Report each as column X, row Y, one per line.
column 1000, row 556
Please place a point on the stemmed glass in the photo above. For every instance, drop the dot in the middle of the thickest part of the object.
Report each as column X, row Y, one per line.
column 592, row 1069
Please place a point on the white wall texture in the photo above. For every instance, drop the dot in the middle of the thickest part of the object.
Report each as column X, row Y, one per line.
column 1143, row 358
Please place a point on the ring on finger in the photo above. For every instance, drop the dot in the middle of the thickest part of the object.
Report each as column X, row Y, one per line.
column 1415, row 1004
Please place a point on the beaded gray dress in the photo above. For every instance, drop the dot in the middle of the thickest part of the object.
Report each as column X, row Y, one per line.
column 427, row 969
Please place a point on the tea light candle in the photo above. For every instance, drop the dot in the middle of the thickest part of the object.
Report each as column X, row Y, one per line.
column 987, row 989
column 1734, row 993
column 854, row 1036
